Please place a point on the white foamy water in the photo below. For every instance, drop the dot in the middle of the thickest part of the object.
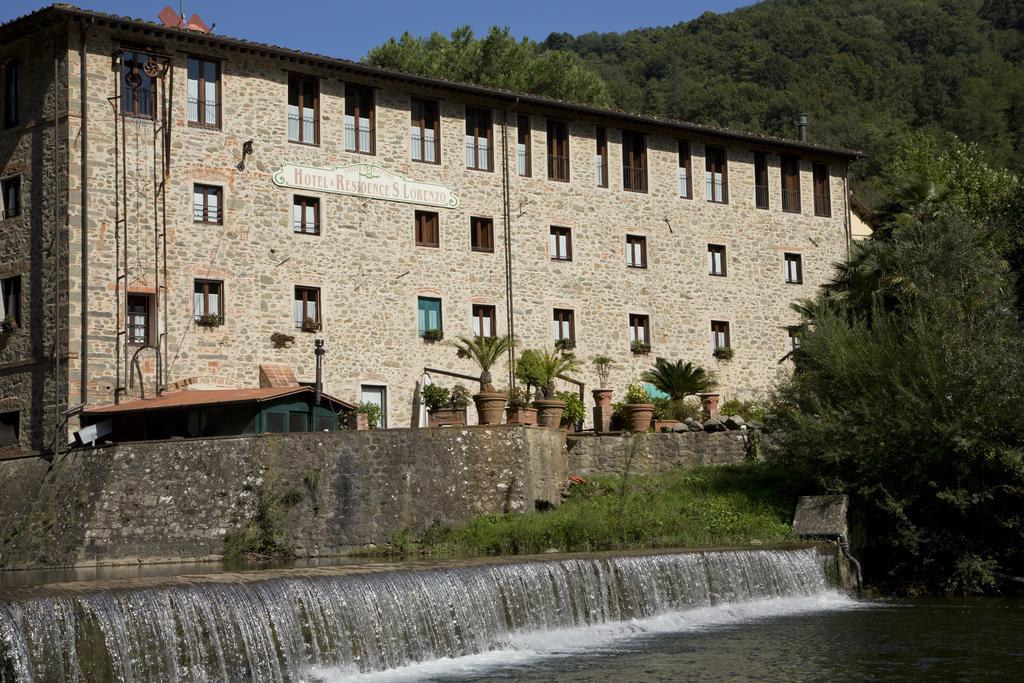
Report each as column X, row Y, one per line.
column 529, row 648
column 408, row 623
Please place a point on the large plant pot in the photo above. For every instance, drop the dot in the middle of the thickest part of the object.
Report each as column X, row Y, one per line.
column 639, row 415
column 549, row 412
column 660, row 425
column 450, row 416
column 709, row 405
column 490, row 405
column 521, row 416
column 602, row 410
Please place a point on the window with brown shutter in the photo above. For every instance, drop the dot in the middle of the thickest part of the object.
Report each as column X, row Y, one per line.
column 561, row 244
column 636, row 251
column 716, row 260
column 360, row 118
column 524, row 155
column 716, row 178
column 307, row 308
column 719, row 335
column 484, row 317
column 564, row 325
column 634, row 161
column 203, row 92
column 306, row 215
column 558, row 150
column 639, row 331
column 685, row 171
column 761, row 180
column 794, row 269
column 479, row 147
column 428, row 233
column 481, row 234
column 822, row 195
column 425, row 140
column 790, row 167
column 601, row 156
column 303, row 109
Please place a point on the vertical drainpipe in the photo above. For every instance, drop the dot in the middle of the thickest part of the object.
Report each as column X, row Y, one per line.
column 507, row 217
column 84, row 213
column 846, row 204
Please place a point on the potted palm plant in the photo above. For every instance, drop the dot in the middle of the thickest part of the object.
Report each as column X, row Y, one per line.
column 602, row 395
column 639, row 409
column 519, row 411
column 551, row 364
column 485, row 352
column 679, row 380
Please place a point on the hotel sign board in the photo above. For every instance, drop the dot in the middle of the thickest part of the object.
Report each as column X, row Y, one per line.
column 366, row 180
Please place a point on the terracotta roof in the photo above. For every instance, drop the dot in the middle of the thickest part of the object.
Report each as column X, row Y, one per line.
column 510, row 98
column 205, row 397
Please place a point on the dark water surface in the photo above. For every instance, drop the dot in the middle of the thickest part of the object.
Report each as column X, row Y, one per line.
column 969, row 640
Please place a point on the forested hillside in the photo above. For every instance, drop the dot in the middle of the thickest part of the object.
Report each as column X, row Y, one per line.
column 866, row 71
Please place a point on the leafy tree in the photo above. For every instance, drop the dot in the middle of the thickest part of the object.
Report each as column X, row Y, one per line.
column 497, row 60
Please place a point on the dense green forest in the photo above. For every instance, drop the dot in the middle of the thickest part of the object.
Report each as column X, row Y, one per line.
column 867, row 72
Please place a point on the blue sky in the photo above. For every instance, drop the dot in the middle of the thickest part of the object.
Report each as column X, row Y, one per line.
column 349, row 29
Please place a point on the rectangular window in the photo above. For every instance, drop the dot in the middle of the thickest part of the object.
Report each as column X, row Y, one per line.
column 634, row 161
column 275, row 423
column 716, row 175
column 10, row 195
column 203, row 91
column 138, row 319
column 636, row 251
column 307, row 308
column 428, row 234
column 601, row 156
column 9, row 427
column 685, row 175
column 425, row 136
column 297, row 421
column 794, row 269
column 479, row 150
column 563, row 325
column 207, row 204
column 208, row 301
column 639, row 330
column 793, row 338
column 304, row 109
column 378, row 396
column 790, row 167
column 359, row 119
column 822, row 195
column 483, row 321
column 481, row 234
column 561, row 243
column 523, row 137
column 719, row 335
column 761, row 180
column 11, row 94
column 558, row 150
column 429, row 314
column 716, row 260
column 138, row 89
column 306, row 215
column 10, row 299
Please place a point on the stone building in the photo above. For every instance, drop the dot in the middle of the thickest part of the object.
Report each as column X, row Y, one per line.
column 182, row 208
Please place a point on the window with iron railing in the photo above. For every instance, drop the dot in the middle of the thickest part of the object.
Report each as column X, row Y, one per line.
column 790, row 169
column 478, row 139
column 634, row 161
column 685, row 175
column 761, row 180
column 203, row 92
column 716, row 178
column 304, row 109
column 138, row 87
column 306, row 215
column 10, row 196
column 207, row 204
column 558, row 150
column 359, row 119
column 822, row 195
column 523, row 155
column 601, row 156
column 425, row 138
column 137, row 319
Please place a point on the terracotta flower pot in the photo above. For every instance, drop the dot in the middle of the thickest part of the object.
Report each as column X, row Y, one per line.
column 602, row 410
column 449, row 416
column 639, row 416
column 664, row 424
column 549, row 412
column 489, row 406
column 521, row 416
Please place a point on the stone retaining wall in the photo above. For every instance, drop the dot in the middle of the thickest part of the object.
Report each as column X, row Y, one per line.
column 651, row 453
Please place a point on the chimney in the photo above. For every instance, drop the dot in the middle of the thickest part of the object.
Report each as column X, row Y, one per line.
column 801, row 126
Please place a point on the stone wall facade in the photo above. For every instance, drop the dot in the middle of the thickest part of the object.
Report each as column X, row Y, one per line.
column 366, row 262
column 653, row 452
column 177, row 500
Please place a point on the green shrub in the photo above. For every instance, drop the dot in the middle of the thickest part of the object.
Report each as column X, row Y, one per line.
column 460, row 397
column 635, row 393
column 436, row 397
column 751, row 410
column 575, row 410
column 372, row 412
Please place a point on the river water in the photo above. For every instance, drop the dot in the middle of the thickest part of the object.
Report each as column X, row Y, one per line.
column 717, row 615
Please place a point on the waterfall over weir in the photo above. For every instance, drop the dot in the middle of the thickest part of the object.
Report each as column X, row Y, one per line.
column 288, row 627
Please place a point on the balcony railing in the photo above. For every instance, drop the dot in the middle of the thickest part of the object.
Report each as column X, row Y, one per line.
column 523, row 161
column 207, row 108
column 207, row 214
column 761, row 196
column 307, row 227
column 305, row 124
column 791, row 201
column 478, row 156
column 363, row 135
column 558, row 167
column 602, row 171
column 424, row 147
column 714, row 187
column 684, row 184
column 822, row 204
column 634, row 178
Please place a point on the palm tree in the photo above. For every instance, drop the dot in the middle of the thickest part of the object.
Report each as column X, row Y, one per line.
column 485, row 352
column 677, row 379
column 551, row 364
